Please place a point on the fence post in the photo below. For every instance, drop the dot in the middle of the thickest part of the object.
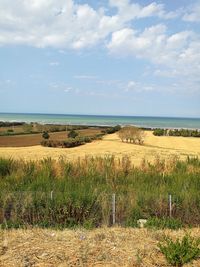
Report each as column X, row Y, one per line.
column 51, row 195
column 170, row 205
column 113, row 208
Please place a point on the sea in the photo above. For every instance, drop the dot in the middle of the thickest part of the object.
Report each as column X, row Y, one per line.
column 103, row 120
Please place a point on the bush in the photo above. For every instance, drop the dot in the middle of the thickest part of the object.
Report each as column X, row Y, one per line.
column 72, row 134
column 180, row 252
column 45, row 135
column 112, row 129
column 159, row 132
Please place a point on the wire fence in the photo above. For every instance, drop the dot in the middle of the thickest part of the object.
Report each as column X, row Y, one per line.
column 55, row 208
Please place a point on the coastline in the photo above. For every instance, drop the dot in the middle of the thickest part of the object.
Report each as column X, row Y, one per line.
column 148, row 122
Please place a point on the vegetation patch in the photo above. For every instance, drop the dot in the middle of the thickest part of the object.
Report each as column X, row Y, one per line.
column 176, row 132
column 60, row 193
column 164, row 223
column 182, row 251
column 131, row 134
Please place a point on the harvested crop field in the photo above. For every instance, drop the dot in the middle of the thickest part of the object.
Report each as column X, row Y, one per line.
column 154, row 146
column 35, row 139
column 99, row 247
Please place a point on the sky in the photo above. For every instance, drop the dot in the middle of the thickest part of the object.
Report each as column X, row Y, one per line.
column 109, row 57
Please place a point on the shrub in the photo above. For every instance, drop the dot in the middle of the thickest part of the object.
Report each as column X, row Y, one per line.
column 112, row 129
column 10, row 131
column 159, row 132
column 45, row 135
column 180, row 252
column 72, row 134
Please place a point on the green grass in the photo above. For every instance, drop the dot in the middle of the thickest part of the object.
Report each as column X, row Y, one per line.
column 82, row 192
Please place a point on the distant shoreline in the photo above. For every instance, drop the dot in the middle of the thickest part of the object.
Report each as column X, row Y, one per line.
column 104, row 120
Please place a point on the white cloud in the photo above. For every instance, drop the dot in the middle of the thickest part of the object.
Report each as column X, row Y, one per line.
column 192, row 13
column 66, row 24
column 180, row 51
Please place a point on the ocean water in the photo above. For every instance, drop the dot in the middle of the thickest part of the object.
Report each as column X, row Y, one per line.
column 149, row 122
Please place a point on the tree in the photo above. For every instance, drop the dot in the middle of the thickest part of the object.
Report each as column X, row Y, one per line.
column 45, row 135
column 72, row 134
column 131, row 134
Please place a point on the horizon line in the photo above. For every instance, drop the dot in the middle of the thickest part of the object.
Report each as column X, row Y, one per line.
column 98, row 115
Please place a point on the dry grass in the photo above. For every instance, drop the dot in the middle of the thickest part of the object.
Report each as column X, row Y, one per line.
column 100, row 247
column 164, row 147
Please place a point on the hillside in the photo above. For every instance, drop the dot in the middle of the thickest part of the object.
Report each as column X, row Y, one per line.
column 164, row 147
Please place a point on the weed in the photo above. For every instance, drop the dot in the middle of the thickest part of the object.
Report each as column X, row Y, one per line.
column 179, row 252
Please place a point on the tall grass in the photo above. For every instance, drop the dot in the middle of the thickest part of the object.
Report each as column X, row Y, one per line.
column 65, row 194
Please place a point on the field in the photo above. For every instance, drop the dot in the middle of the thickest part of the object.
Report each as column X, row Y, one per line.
column 27, row 140
column 105, row 247
column 163, row 147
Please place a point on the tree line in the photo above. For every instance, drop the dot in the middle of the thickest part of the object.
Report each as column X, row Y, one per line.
column 176, row 132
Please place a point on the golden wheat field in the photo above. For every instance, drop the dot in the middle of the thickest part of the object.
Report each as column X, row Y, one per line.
column 154, row 146
column 106, row 247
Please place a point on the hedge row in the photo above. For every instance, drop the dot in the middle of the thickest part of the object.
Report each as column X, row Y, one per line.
column 111, row 130
column 8, row 124
column 71, row 142
column 177, row 132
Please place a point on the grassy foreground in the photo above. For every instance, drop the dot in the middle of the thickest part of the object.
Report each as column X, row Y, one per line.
column 51, row 193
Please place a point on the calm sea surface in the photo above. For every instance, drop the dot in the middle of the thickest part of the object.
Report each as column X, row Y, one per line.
column 150, row 122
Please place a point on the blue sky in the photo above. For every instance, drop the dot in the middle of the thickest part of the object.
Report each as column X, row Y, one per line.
column 118, row 57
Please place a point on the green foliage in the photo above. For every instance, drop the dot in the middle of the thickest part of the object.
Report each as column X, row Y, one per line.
column 163, row 223
column 159, row 132
column 82, row 192
column 179, row 252
column 8, row 124
column 77, row 127
column 71, row 142
column 177, row 132
column 72, row 134
column 111, row 130
column 45, row 135
column 5, row 166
